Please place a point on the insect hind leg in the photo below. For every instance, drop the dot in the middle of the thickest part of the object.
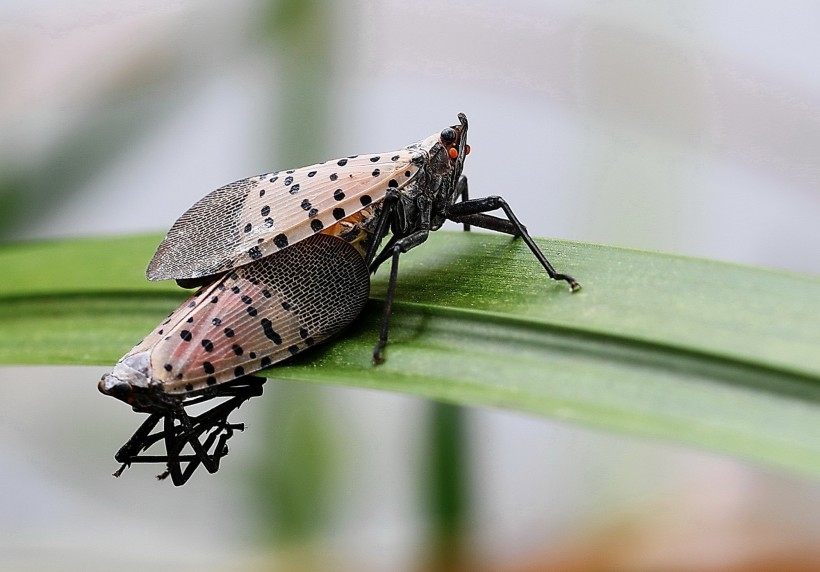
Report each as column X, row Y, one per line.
column 474, row 211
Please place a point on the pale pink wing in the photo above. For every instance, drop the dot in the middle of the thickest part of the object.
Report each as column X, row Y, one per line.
column 255, row 217
column 258, row 315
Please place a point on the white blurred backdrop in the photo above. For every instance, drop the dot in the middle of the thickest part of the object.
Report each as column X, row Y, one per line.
column 682, row 126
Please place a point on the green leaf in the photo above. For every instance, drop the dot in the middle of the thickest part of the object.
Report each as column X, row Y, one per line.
column 694, row 351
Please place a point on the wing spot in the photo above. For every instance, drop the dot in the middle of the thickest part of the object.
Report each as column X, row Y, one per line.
column 248, row 227
column 255, row 253
column 374, row 158
column 239, row 371
column 393, row 183
column 394, row 158
column 294, row 189
column 211, row 380
column 293, row 350
column 376, row 172
column 280, row 240
column 208, row 367
column 338, row 213
column 237, row 349
column 208, row 345
column 229, row 333
column 306, row 205
column 168, row 367
column 288, row 181
column 216, row 322
column 334, row 176
column 251, row 311
column 265, row 210
column 186, row 335
column 272, row 180
column 312, row 173
column 316, row 225
column 342, row 162
column 246, row 299
column 267, row 327
column 265, row 361
column 338, row 194
column 268, row 224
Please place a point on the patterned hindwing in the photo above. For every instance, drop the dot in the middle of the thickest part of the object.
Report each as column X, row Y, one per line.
column 260, row 314
column 253, row 218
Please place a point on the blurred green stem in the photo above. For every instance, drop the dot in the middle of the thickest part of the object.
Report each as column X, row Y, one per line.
column 447, row 486
column 297, row 470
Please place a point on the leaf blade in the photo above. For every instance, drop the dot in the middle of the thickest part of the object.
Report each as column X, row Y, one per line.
column 695, row 351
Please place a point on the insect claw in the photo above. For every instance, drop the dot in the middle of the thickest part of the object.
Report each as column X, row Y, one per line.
column 378, row 359
column 573, row 285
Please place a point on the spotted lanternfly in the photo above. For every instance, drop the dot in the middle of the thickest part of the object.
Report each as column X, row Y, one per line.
column 282, row 262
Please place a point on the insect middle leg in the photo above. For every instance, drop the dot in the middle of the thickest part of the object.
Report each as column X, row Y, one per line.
column 396, row 249
column 474, row 211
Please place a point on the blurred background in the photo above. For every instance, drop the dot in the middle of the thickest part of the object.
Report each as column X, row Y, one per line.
column 688, row 127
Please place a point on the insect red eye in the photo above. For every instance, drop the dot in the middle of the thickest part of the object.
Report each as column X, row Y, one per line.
column 453, row 152
column 466, row 149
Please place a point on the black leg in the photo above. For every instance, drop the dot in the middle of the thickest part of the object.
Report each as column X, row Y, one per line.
column 180, row 429
column 463, row 189
column 400, row 246
column 480, row 206
column 391, row 197
column 490, row 222
column 139, row 441
column 388, row 308
column 385, row 254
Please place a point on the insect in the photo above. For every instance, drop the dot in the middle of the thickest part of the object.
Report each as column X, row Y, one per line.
column 282, row 262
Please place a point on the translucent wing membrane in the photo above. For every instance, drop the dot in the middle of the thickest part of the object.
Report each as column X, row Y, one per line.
column 253, row 317
column 255, row 217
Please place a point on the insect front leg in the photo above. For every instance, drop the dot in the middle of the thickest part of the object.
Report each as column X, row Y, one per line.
column 463, row 190
column 471, row 208
column 398, row 248
column 391, row 198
